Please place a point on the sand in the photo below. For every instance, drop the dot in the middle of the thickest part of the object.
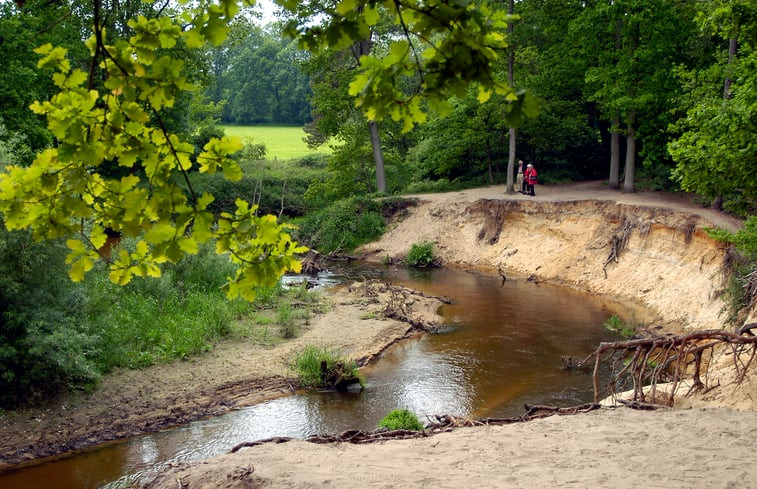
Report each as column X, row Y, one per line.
column 621, row 448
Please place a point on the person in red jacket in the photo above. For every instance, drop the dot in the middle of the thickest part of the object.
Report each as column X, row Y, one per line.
column 529, row 177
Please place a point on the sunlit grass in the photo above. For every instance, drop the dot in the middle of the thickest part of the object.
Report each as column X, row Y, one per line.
column 281, row 142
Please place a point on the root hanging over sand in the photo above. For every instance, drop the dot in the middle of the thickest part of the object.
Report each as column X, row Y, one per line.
column 643, row 364
column 618, row 243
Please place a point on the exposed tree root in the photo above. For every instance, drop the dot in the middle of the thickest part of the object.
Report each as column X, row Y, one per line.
column 439, row 424
column 618, row 243
column 644, row 363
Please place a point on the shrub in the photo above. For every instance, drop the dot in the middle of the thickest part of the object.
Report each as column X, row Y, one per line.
column 321, row 367
column 617, row 325
column 153, row 320
column 421, row 254
column 44, row 347
column 344, row 225
column 740, row 267
column 286, row 320
column 401, row 419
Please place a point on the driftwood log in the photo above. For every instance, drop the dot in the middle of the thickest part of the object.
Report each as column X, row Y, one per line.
column 646, row 362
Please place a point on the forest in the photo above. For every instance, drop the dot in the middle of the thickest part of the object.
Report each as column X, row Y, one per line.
column 110, row 133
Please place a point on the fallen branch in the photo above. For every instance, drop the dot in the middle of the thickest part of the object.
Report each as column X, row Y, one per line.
column 440, row 424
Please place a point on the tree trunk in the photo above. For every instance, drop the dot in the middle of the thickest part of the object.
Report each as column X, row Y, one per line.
column 358, row 50
column 732, row 47
column 614, row 181
column 378, row 157
column 509, row 187
column 489, row 159
column 629, row 180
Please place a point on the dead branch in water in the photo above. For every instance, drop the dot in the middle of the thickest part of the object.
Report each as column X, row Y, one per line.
column 313, row 262
column 646, row 362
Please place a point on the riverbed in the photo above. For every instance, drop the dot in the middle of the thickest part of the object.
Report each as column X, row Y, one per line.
column 502, row 344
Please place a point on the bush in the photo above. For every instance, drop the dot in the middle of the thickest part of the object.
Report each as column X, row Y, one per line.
column 344, row 225
column 740, row 266
column 152, row 320
column 617, row 325
column 401, row 419
column 44, row 345
column 421, row 254
column 321, row 367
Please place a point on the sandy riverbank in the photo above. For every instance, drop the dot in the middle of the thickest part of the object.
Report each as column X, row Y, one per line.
column 619, row 448
column 561, row 236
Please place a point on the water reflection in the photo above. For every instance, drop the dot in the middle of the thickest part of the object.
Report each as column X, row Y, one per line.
column 502, row 347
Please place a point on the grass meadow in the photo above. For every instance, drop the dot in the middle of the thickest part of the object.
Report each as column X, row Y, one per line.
column 282, row 142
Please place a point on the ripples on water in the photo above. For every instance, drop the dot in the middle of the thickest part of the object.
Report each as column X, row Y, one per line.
column 502, row 347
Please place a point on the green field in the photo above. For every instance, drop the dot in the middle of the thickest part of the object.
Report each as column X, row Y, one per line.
column 281, row 142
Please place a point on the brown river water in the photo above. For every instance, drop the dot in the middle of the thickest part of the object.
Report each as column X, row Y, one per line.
column 502, row 346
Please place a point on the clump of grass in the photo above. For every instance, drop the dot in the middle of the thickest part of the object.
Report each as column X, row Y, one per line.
column 401, row 419
column 421, row 254
column 617, row 325
column 286, row 320
column 321, row 367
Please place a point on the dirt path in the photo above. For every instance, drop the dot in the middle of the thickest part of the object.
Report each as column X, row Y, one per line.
column 594, row 191
column 559, row 236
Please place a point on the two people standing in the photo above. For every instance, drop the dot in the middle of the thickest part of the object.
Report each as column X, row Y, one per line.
column 526, row 178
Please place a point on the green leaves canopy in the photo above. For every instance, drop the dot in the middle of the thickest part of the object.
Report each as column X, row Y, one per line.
column 441, row 45
column 112, row 118
column 65, row 192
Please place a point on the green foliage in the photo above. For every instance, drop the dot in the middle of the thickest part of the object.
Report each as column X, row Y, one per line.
column 344, row 225
column 177, row 315
column 447, row 39
column 286, row 320
column 277, row 92
column 277, row 186
column 715, row 149
column 741, row 265
column 401, row 419
column 421, row 254
column 322, row 367
column 44, row 347
column 69, row 190
column 617, row 325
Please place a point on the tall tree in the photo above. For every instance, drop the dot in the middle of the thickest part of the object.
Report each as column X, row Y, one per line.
column 633, row 46
column 511, row 82
column 115, row 114
column 715, row 151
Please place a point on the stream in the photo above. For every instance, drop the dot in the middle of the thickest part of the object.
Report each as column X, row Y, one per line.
column 502, row 345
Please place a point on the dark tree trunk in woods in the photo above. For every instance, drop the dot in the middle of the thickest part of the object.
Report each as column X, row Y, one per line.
column 614, row 180
column 358, row 50
column 378, row 157
column 629, row 178
column 509, row 187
